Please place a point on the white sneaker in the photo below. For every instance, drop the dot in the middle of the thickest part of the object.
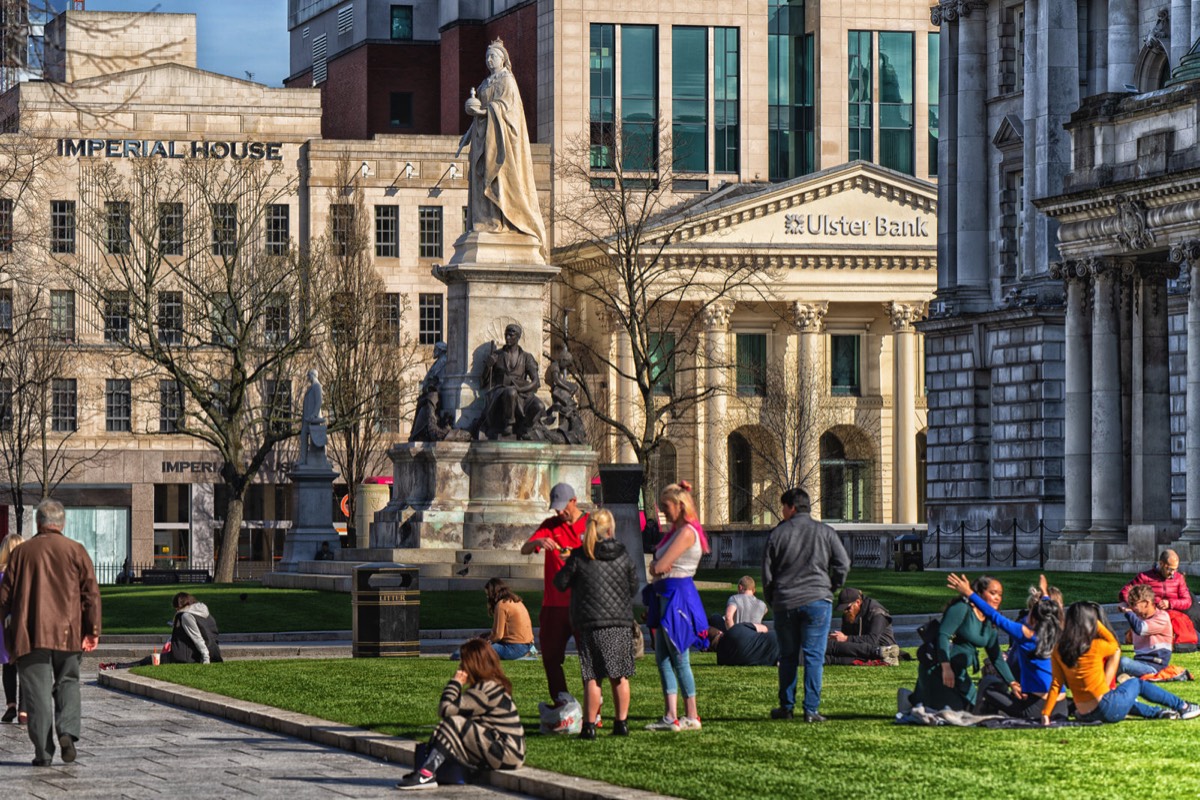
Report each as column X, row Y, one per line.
column 667, row 724
column 1190, row 711
column 890, row 655
column 689, row 724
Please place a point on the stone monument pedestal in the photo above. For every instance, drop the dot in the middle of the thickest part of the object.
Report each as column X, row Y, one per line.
column 312, row 488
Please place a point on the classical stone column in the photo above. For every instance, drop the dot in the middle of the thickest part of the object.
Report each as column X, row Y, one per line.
column 812, row 384
column 1077, row 435
column 944, row 16
column 716, row 333
column 971, row 187
column 1188, row 255
column 626, row 403
column 1181, row 30
column 1108, row 512
column 1150, row 419
column 1123, row 42
column 904, row 410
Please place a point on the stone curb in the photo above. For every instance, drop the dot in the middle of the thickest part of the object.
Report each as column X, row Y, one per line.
column 527, row 780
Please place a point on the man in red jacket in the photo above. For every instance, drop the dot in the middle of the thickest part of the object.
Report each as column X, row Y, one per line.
column 1170, row 587
column 51, row 593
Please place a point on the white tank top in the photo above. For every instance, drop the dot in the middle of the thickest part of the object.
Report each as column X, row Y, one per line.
column 689, row 560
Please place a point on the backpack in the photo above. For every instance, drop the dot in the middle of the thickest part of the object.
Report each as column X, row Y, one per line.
column 927, row 652
column 1185, row 632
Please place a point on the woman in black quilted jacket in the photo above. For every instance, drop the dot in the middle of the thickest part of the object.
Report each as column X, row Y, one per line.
column 603, row 581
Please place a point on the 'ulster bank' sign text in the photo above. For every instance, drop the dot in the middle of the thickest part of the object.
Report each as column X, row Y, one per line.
column 147, row 148
column 830, row 225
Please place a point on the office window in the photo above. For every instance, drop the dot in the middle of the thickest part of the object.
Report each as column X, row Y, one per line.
column 6, row 225
column 752, row 364
column 387, row 231
column 790, row 91
column 277, row 326
column 391, row 310
column 726, row 92
column 402, row 22
column 689, row 98
column 844, row 365
column 118, row 405
column 170, row 229
column 62, row 314
column 859, row 52
column 662, row 362
column 116, row 227
column 6, row 310
column 1019, row 49
column 639, row 97
column 1012, row 224
column 170, row 406
column 224, row 229
column 223, row 320
column 278, row 397
column 935, row 60
column 116, row 317
column 387, row 407
column 400, row 109
column 429, row 322
column 62, row 226
column 63, row 412
column 896, row 140
column 170, row 317
column 341, row 228
column 602, row 99
column 279, row 229
column 6, row 410
column 430, row 224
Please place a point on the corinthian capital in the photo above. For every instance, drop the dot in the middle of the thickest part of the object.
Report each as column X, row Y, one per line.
column 903, row 315
column 716, row 314
column 809, row 317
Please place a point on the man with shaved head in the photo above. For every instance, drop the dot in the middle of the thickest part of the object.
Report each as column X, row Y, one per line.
column 1170, row 587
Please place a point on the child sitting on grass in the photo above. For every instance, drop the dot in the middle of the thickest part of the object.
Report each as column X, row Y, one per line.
column 1150, row 627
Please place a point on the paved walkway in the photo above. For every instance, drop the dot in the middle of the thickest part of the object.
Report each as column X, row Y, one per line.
column 138, row 748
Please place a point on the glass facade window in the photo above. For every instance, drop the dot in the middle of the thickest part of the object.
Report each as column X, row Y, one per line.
column 790, row 91
column 224, row 229
column 1019, row 50
column 662, row 362
column 277, row 324
column 752, row 364
column 170, row 229
column 170, row 406
column 387, row 407
column 279, row 229
column 62, row 226
column 6, row 225
column 387, row 231
column 639, row 98
column 116, row 227
column 116, row 317
column 896, row 101
column 341, row 227
column 118, row 405
column 62, row 314
column 429, row 312
column 429, row 220
column 6, row 310
column 859, row 58
column 844, row 363
column 390, row 311
column 689, row 99
column 935, row 88
column 63, row 409
column 223, row 319
column 170, row 317
column 726, row 93
column 602, row 99
column 402, row 22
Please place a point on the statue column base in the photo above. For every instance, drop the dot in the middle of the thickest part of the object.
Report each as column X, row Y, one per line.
column 312, row 520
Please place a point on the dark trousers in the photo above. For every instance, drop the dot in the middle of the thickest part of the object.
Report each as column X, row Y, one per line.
column 994, row 697
column 846, row 653
column 10, row 683
column 50, row 693
column 555, row 624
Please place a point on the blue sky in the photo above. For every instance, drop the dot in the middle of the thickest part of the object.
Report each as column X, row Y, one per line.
column 234, row 36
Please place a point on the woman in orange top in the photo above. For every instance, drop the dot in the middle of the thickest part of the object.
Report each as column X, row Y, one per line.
column 512, row 631
column 1086, row 660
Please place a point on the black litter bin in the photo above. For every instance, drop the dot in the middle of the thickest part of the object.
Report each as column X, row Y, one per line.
column 908, row 553
column 387, row 610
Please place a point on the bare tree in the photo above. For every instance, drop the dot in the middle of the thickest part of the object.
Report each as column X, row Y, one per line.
column 195, row 263
column 367, row 358
column 624, row 267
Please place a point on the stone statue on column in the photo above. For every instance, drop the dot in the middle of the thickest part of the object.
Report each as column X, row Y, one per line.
column 312, row 424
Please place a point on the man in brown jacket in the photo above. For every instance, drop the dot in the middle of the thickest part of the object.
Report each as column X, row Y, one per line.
column 50, row 591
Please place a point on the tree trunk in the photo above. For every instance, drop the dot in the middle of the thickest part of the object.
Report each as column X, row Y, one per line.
column 230, row 535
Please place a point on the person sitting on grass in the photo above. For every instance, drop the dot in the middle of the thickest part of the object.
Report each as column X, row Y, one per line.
column 866, row 634
column 480, row 727
column 512, row 631
column 1086, row 661
column 945, row 682
column 194, row 637
column 744, row 606
column 1033, row 642
column 1150, row 629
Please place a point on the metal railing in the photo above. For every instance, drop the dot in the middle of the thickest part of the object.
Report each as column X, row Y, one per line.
column 991, row 544
column 243, row 571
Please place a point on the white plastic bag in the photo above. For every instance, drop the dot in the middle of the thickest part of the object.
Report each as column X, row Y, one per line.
column 566, row 717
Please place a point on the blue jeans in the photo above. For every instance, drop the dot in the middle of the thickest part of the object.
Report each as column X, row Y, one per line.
column 1137, row 668
column 673, row 664
column 803, row 628
column 511, row 652
column 1116, row 704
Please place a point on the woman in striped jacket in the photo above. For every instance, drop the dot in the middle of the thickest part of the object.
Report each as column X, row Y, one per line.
column 480, row 727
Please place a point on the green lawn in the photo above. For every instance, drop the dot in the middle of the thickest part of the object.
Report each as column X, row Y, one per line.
column 740, row 753
column 147, row 609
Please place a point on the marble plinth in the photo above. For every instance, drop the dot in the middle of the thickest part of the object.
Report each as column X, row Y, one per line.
column 475, row 495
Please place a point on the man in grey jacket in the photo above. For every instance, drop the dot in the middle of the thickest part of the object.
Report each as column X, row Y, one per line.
column 804, row 561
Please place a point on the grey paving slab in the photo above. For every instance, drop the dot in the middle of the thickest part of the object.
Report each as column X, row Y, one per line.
column 133, row 747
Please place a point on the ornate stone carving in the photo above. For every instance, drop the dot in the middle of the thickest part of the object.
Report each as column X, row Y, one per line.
column 716, row 314
column 563, row 408
column 1131, row 218
column 904, row 315
column 1162, row 27
column 1185, row 254
column 809, row 317
column 428, row 422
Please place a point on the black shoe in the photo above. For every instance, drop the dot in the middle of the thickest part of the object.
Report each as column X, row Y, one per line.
column 9, row 715
column 812, row 716
column 66, row 744
column 588, row 732
column 42, row 762
column 415, row 780
column 620, row 727
column 782, row 713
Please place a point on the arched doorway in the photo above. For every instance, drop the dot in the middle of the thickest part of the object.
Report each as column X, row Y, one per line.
column 1153, row 67
column 846, row 477
column 922, row 446
column 741, row 485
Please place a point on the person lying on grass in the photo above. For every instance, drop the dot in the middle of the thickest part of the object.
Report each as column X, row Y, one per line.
column 194, row 637
column 946, row 682
column 1033, row 641
column 1086, row 661
column 480, row 727
column 1150, row 633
